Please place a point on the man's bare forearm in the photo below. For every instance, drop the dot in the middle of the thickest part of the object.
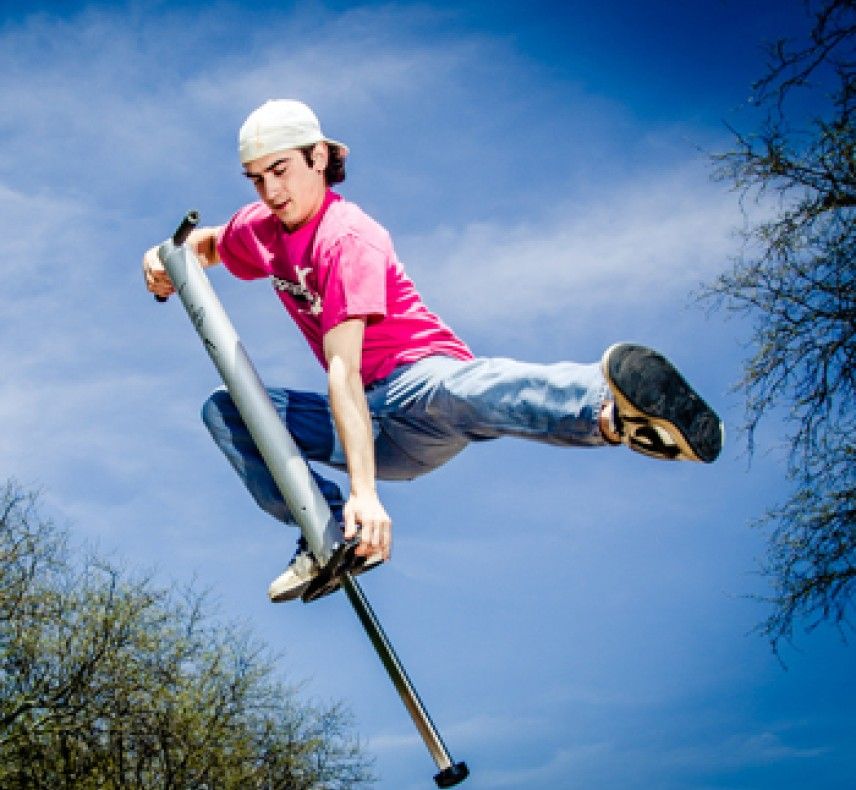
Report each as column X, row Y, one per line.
column 353, row 424
column 343, row 351
column 204, row 242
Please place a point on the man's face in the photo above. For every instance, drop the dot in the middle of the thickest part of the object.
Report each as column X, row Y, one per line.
column 288, row 186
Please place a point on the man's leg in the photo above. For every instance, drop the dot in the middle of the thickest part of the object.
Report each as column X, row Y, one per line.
column 436, row 406
column 308, row 419
column 432, row 409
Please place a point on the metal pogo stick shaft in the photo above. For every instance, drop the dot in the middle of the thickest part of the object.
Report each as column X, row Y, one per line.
column 273, row 440
column 448, row 768
column 287, row 466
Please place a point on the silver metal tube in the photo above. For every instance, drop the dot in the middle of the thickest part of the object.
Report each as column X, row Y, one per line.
column 277, row 447
column 397, row 674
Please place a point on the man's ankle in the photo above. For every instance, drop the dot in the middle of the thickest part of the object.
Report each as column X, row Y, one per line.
column 606, row 423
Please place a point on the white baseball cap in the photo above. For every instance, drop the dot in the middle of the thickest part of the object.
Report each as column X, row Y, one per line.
column 280, row 125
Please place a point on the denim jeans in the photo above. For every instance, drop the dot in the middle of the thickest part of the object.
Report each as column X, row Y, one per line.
column 422, row 415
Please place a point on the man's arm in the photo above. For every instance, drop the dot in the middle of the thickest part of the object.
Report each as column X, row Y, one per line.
column 203, row 241
column 343, row 348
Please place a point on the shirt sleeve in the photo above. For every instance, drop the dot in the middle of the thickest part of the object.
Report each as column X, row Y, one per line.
column 355, row 282
column 239, row 247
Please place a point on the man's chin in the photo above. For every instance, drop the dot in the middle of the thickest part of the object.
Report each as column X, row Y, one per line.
column 282, row 214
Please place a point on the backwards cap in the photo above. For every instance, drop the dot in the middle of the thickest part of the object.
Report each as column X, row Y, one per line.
column 280, row 125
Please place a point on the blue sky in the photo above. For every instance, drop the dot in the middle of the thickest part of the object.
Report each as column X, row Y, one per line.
column 571, row 618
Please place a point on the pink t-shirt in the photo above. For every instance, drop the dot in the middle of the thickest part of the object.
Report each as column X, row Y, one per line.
column 340, row 265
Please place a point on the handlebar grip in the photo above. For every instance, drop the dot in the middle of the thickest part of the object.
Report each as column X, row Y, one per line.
column 190, row 221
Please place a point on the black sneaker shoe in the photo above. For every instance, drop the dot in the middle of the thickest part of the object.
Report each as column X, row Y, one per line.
column 656, row 412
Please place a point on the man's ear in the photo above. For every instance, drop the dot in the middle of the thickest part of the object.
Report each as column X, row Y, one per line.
column 320, row 157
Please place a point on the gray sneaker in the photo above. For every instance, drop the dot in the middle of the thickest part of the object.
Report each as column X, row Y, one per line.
column 656, row 411
column 303, row 569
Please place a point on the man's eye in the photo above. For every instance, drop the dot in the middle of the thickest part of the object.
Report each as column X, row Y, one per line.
column 278, row 171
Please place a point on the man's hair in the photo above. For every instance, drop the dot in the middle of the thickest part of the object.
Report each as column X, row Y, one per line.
column 334, row 173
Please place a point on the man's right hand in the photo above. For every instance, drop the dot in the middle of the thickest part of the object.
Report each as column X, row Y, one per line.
column 157, row 280
column 203, row 242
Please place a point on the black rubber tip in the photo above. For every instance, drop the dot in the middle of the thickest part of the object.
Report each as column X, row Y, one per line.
column 453, row 775
column 190, row 221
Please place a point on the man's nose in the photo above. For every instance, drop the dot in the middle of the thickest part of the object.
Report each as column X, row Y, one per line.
column 270, row 187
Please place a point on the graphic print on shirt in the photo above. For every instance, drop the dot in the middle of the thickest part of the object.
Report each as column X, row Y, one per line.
column 300, row 290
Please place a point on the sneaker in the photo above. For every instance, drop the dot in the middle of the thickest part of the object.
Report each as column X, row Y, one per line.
column 656, row 412
column 303, row 568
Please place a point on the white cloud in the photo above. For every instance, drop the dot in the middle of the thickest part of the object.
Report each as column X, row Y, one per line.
column 38, row 227
column 166, row 92
column 479, row 729
column 331, row 68
column 738, row 751
column 640, row 245
column 619, row 764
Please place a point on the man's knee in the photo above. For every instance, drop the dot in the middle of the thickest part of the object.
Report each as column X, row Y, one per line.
column 216, row 409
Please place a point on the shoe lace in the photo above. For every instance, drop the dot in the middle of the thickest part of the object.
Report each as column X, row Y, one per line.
column 302, row 549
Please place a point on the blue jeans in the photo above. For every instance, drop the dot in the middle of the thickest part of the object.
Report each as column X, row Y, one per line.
column 422, row 415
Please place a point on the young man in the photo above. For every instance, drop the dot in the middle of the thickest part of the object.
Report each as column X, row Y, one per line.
column 405, row 394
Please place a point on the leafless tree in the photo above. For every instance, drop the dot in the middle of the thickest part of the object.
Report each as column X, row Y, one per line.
column 795, row 279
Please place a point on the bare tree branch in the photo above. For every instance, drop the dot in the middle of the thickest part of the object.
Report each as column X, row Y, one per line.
column 796, row 280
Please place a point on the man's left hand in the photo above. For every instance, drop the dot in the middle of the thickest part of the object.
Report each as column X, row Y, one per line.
column 376, row 526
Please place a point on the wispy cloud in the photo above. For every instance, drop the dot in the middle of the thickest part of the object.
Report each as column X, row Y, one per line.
column 558, row 770
column 620, row 764
column 481, row 728
column 744, row 750
column 640, row 245
column 325, row 59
